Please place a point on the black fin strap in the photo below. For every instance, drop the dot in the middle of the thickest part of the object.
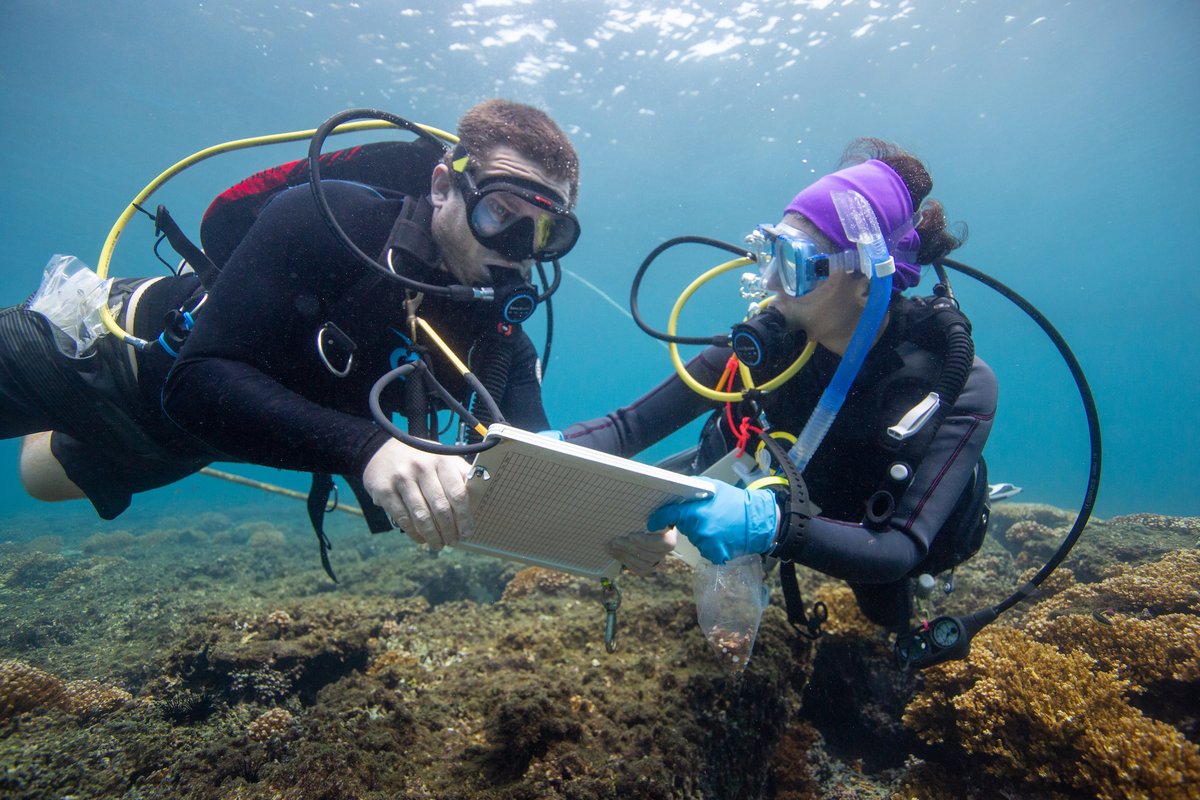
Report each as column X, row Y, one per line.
column 318, row 500
column 808, row 627
column 165, row 224
column 376, row 517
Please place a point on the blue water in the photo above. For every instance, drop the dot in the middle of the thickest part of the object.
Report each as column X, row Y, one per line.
column 1061, row 132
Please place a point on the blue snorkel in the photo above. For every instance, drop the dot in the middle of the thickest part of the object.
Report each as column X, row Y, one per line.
column 862, row 228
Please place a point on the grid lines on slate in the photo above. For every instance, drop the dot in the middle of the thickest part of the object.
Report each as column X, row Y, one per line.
column 507, row 521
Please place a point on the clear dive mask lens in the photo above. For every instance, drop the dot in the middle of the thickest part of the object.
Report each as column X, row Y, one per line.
column 785, row 255
column 519, row 219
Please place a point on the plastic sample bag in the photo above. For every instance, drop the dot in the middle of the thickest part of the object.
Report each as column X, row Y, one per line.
column 71, row 296
column 730, row 599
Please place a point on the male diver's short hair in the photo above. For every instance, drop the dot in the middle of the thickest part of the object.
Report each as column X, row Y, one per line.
column 528, row 130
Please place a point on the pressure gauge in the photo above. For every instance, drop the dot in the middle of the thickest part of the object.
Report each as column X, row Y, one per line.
column 945, row 632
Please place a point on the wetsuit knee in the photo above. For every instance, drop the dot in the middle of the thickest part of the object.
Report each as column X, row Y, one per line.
column 42, row 476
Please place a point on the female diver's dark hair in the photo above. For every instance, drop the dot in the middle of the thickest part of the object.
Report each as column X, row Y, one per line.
column 937, row 241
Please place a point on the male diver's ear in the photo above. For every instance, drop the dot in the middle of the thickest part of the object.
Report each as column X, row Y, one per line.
column 441, row 187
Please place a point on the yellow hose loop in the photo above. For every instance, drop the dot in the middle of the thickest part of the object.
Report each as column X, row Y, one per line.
column 110, row 243
column 681, row 370
column 765, row 463
column 770, row 480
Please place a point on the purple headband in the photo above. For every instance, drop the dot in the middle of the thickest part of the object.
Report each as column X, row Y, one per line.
column 889, row 199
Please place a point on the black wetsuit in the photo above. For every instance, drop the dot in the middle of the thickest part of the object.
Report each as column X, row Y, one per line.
column 250, row 383
column 851, row 462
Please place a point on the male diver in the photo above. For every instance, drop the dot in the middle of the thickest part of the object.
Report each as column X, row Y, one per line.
column 281, row 347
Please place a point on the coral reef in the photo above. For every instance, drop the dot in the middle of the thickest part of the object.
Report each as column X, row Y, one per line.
column 109, row 542
column 32, row 569
column 1064, row 699
column 1170, row 585
column 1032, row 532
column 540, row 580
column 1032, row 713
column 92, row 697
column 267, row 538
column 25, row 688
column 458, row 677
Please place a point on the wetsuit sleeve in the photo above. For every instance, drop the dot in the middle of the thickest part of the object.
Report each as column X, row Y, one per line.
column 224, row 389
column 854, row 553
column 655, row 415
column 522, row 405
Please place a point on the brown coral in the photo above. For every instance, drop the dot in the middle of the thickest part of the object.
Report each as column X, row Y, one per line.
column 274, row 724
column 85, row 698
column 844, row 615
column 1142, row 651
column 24, row 687
column 538, row 580
column 1170, row 585
column 267, row 538
column 1160, row 522
column 107, row 542
column 392, row 658
column 1034, row 713
column 1032, row 541
column 32, row 569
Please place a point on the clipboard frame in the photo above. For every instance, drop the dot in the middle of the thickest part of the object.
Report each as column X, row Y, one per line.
column 554, row 504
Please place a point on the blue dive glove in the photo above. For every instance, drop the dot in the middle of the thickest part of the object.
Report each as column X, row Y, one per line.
column 733, row 522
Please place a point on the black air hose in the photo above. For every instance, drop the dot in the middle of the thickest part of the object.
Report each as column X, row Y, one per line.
column 496, row 358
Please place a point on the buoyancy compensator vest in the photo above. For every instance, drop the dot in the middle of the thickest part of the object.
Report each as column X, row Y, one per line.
column 935, row 354
column 403, row 167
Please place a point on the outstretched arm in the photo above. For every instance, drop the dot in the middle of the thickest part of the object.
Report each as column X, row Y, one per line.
column 738, row 522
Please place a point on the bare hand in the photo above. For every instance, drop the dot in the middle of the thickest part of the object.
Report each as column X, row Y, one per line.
column 642, row 552
column 425, row 495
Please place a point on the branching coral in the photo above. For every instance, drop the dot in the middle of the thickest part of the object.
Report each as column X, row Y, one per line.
column 1034, row 713
column 1170, row 585
column 1142, row 651
column 844, row 616
column 1159, row 522
column 1032, row 541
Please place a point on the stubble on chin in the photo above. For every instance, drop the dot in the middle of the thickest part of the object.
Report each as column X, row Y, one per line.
column 460, row 258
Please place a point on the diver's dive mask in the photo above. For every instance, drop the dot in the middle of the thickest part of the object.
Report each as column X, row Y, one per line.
column 786, row 256
column 518, row 218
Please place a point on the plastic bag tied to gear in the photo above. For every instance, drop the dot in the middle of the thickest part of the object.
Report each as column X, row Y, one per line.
column 730, row 599
column 71, row 297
